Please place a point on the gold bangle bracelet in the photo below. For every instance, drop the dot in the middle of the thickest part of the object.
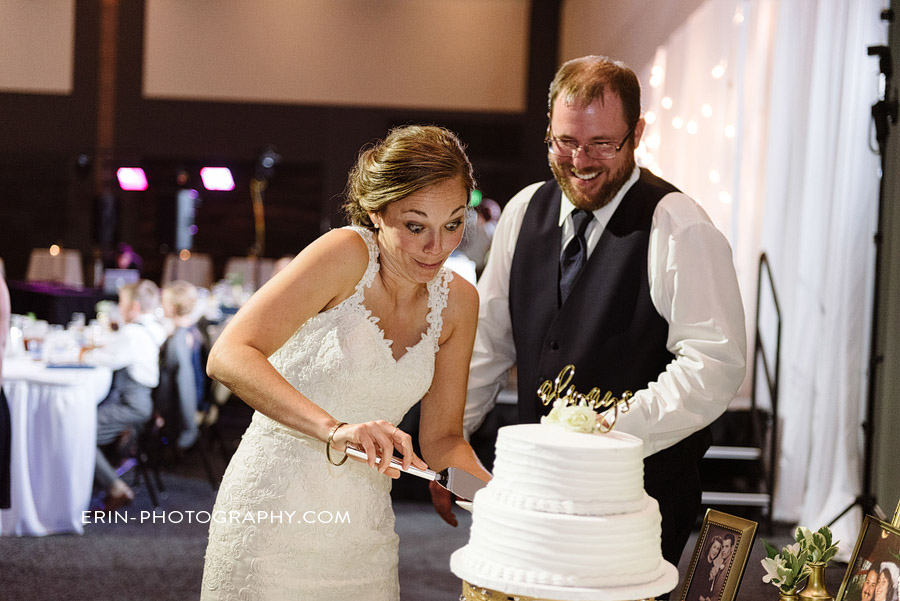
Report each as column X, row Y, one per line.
column 331, row 440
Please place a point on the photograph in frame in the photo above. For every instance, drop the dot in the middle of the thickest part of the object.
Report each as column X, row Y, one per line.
column 873, row 571
column 720, row 556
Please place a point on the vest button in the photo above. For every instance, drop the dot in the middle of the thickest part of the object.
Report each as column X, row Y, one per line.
column 554, row 346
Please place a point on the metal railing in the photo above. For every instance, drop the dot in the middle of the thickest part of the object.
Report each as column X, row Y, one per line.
column 771, row 373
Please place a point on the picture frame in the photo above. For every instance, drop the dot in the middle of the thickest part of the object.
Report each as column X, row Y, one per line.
column 719, row 559
column 876, row 556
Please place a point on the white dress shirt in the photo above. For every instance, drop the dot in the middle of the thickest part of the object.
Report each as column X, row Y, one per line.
column 134, row 347
column 693, row 286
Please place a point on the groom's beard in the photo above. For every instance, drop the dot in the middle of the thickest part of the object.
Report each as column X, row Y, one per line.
column 607, row 191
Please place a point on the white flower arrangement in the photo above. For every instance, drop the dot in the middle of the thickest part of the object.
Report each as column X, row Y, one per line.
column 574, row 418
column 786, row 569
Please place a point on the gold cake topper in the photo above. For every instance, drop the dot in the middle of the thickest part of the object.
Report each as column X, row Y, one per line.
column 562, row 398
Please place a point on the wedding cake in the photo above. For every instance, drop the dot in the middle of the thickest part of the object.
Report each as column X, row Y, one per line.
column 566, row 517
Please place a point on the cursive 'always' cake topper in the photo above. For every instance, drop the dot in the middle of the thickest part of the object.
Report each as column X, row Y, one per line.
column 578, row 412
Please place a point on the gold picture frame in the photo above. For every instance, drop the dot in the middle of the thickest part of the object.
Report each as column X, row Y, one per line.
column 713, row 575
column 877, row 545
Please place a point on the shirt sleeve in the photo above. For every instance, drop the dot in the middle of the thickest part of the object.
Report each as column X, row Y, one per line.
column 694, row 287
column 116, row 353
column 495, row 351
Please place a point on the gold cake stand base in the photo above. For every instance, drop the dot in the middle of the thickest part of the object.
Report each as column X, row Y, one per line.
column 471, row 592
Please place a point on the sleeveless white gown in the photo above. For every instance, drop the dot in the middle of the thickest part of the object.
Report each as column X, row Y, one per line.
column 287, row 525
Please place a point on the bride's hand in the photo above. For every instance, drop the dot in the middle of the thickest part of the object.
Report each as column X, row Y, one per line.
column 379, row 439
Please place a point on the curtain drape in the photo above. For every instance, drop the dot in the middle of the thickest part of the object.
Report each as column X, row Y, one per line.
column 820, row 211
column 761, row 111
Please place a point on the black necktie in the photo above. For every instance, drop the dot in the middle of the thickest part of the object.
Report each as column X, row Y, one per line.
column 575, row 254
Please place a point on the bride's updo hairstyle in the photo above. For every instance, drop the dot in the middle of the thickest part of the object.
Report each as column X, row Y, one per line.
column 409, row 159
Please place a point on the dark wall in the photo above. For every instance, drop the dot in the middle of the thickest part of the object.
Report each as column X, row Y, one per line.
column 45, row 197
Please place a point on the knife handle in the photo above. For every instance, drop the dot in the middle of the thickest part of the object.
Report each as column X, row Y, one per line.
column 395, row 463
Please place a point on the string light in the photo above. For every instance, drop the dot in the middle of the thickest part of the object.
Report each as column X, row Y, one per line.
column 729, row 131
column 691, row 127
column 677, row 122
column 719, row 70
column 714, row 176
column 650, row 117
column 724, row 197
column 706, row 110
column 666, row 102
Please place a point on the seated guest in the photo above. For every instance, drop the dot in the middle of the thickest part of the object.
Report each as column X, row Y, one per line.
column 133, row 353
column 127, row 258
column 182, row 379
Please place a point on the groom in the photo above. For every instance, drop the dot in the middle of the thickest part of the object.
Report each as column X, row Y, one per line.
column 613, row 270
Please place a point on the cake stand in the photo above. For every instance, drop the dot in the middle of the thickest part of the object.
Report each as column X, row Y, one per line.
column 480, row 587
column 477, row 593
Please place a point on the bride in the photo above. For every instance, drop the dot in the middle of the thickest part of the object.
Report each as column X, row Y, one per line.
column 332, row 352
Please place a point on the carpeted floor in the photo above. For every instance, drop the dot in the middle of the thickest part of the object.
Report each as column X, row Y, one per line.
column 143, row 560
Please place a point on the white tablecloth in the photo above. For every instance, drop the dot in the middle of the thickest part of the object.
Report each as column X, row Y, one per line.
column 64, row 268
column 54, row 438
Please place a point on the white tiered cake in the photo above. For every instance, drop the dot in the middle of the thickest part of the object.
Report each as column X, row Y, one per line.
column 566, row 517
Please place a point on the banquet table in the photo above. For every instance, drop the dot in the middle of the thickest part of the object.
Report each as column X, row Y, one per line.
column 54, row 431
column 55, row 302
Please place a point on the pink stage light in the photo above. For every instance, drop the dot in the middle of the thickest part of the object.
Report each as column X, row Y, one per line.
column 217, row 178
column 131, row 178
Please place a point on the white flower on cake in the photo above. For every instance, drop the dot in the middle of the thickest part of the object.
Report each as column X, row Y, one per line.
column 574, row 418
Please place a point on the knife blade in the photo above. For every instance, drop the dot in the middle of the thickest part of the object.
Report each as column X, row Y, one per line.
column 460, row 482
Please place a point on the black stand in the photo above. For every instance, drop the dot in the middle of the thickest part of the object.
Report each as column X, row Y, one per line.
column 883, row 112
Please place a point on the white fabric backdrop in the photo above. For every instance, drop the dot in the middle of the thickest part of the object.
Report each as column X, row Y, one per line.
column 821, row 203
column 779, row 94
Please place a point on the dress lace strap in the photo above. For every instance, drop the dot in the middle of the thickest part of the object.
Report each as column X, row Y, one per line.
column 438, row 292
column 372, row 268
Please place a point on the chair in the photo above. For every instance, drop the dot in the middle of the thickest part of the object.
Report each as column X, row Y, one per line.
column 149, row 458
column 63, row 267
column 211, row 437
column 196, row 269
column 183, row 399
column 141, row 448
column 253, row 271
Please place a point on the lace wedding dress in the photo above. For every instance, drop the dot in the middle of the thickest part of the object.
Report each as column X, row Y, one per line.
column 287, row 525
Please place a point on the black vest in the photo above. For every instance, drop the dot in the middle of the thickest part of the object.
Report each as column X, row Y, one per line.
column 608, row 327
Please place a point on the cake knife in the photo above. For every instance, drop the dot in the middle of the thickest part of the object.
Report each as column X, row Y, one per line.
column 460, row 482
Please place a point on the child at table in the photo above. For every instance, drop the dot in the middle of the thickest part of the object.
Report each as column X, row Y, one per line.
column 133, row 354
column 182, row 378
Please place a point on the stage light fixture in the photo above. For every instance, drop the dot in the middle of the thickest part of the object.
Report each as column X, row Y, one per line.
column 131, row 178
column 217, row 178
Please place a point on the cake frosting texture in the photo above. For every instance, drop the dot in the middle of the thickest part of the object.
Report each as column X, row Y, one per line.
column 564, row 509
